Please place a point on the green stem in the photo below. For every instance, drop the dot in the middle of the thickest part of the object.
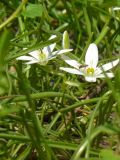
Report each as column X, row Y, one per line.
column 53, row 144
column 42, row 95
column 88, row 24
column 9, row 81
column 78, row 104
column 90, row 127
column 76, row 17
column 52, row 123
column 97, row 131
column 14, row 15
column 15, row 137
column 36, row 123
column 103, row 32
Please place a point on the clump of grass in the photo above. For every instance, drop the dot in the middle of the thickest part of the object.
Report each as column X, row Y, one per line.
column 46, row 113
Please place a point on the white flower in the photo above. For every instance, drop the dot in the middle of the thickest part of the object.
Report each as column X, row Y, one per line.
column 116, row 8
column 42, row 56
column 90, row 70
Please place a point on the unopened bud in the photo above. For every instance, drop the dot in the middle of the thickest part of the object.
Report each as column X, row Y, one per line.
column 65, row 40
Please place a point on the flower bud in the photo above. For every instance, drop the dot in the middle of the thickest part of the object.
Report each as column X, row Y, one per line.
column 65, row 40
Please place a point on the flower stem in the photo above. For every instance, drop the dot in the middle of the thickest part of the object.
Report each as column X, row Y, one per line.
column 14, row 15
column 42, row 95
column 103, row 32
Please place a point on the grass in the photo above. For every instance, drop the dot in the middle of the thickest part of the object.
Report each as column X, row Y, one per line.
column 46, row 113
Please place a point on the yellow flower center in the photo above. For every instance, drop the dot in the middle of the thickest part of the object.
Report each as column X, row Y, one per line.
column 42, row 56
column 90, row 70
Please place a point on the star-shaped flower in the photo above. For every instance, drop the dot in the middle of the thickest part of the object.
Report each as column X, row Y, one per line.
column 90, row 70
column 42, row 56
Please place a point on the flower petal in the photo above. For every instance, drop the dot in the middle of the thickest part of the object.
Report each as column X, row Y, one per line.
column 71, row 70
column 61, row 51
column 35, row 54
column 115, row 8
column 109, row 75
column 48, row 49
column 91, row 57
column 32, row 62
column 107, row 66
column 71, row 62
column 25, row 58
column 52, row 46
column 90, row 79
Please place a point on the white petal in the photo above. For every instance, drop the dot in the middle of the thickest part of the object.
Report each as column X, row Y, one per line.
column 91, row 57
column 48, row 49
column 108, row 66
column 71, row 62
column 109, row 75
column 52, row 46
column 35, row 54
column 116, row 8
column 50, row 58
column 61, row 51
column 90, row 79
column 71, row 70
column 25, row 58
column 32, row 62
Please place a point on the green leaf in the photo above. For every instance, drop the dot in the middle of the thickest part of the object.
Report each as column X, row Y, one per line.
column 4, row 84
column 72, row 83
column 24, row 154
column 4, row 46
column 109, row 154
column 33, row 10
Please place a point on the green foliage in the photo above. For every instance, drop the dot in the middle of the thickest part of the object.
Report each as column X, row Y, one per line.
column 108, row 154
column 4, row 46
column 2, row 11
column 46, row 113
column 4, row 84
column 33, row 10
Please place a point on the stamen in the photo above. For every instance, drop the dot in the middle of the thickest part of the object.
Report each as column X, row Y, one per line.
column 90, row 70
column 42, row 56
